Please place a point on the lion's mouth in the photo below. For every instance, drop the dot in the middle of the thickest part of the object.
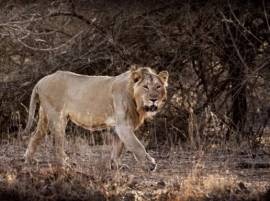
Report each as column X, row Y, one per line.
column 152, row 108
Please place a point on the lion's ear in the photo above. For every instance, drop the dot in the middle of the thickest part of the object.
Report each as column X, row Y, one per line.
column 136, row 74
column 164, row 76
column 133, row 67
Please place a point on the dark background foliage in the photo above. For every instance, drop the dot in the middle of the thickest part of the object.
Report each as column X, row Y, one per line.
column 217, row 54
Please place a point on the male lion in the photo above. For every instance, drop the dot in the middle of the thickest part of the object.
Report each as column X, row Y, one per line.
column 121, row 102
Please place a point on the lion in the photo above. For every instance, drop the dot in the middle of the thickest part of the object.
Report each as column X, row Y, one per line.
column 120, row 103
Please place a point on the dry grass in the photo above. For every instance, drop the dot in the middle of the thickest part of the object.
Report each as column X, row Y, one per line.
column 182, row 175
column 226, row 186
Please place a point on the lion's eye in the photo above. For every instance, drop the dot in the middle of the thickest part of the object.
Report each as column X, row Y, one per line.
column 145, row 86
column 158, row 87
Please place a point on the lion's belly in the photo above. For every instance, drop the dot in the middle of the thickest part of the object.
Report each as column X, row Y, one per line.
column 91, row 121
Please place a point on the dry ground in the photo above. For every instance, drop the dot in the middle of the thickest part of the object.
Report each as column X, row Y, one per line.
column 181, row 174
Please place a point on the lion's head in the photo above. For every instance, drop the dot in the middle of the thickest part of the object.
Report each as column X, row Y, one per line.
column 149, row 89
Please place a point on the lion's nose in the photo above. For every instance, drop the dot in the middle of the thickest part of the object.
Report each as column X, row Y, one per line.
column 153, row 99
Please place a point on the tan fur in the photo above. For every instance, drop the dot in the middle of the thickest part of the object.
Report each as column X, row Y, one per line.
column 96, row 102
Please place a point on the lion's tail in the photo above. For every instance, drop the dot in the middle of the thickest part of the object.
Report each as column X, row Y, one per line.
column 32, row 108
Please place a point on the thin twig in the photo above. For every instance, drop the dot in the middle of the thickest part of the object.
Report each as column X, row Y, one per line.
column 52, row 48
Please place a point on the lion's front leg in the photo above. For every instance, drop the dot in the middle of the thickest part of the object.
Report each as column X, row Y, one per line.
column 117, row 149
column 132, row 143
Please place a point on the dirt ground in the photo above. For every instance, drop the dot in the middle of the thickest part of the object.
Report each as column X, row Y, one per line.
column 181, row 174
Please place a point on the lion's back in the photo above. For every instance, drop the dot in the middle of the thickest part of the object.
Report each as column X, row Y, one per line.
column 64, row 88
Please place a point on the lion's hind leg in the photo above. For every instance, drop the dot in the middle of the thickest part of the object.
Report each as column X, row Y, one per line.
column 38, row 136
column 57, row 126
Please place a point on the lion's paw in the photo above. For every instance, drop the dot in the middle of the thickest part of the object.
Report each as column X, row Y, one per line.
column 151, row 164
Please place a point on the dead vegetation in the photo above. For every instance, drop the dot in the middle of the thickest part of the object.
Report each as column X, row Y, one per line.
column 212, row 138
column 181, row 175
column 216, row 53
